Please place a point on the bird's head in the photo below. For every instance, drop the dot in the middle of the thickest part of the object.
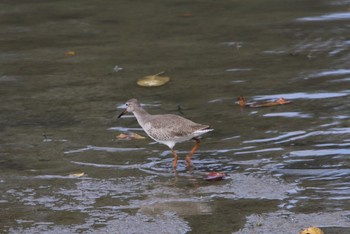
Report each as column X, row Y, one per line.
column 131, row 106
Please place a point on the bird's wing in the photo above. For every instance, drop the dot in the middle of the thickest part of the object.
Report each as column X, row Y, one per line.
column 174, row 125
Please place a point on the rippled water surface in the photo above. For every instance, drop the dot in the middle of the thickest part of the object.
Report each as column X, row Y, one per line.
column 67, row 67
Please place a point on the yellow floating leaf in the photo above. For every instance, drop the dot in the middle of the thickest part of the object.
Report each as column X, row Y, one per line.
column 69, row 53
column 312, row 230
column 153, row 80
column 77, row 175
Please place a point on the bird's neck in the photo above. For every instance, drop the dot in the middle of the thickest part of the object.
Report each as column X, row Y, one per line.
column 141, row 116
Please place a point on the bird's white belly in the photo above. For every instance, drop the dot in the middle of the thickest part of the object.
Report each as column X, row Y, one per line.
column 163, row 138
column 171, row 143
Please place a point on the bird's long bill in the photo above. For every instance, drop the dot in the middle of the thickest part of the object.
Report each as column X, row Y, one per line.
column 122, row 114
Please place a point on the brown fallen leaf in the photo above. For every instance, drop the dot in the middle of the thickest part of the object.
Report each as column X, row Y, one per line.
column 280, row 101
column 129, row 136
column 242, row 102
column 122, row 136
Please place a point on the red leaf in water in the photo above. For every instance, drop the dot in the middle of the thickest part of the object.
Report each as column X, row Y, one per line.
column 214, row 176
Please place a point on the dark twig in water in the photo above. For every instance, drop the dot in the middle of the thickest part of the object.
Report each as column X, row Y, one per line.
column 46, row 137
column 179, row 109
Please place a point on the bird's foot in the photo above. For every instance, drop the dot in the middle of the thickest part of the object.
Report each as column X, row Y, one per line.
column 188, row 162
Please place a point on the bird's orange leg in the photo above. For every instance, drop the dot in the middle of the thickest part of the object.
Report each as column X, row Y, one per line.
column 195, row 147
column 175, row 159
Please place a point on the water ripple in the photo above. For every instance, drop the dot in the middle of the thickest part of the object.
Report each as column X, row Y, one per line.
column 302, row 95
column 98, row 148
column 332, row 131
column 332, row 73
column 316, row 174
column 286, row 135
column 128, row 166
column 288, row 115
column 323, row 152
column 260, row 151
column 238, row 69
column 123, row 129
column 327, row 17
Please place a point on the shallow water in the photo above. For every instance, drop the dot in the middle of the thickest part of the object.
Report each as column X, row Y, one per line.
column 286, row 167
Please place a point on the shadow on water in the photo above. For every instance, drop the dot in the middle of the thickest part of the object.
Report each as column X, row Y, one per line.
column 68, row 67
